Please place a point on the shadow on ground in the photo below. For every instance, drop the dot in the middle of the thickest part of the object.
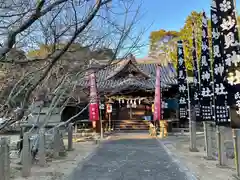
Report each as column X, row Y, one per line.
column 129, row 157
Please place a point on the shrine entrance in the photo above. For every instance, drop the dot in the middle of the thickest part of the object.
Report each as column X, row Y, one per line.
column 130, row 109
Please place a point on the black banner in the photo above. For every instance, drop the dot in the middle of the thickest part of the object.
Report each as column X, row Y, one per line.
column 221, row 108
column 196, row 83
column 182, row 85
column 206, row 76
column 226, row 13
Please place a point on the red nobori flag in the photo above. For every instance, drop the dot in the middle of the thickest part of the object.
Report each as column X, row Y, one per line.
column 157, row 101
column 93, row 107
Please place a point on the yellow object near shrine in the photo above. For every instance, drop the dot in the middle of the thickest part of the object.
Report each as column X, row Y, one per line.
column 152, row 107
column 163, row 128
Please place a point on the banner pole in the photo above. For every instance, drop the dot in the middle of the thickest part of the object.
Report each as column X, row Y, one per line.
column 101, row 125
column 236, row 151
column 192, row 130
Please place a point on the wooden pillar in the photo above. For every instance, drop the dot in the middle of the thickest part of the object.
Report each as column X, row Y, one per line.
column 98, row 127
column 109, row 122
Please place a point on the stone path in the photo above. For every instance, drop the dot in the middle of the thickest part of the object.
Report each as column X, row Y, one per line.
column 129, row 157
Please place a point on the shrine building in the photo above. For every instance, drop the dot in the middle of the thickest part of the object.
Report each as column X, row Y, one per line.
column 129, row 86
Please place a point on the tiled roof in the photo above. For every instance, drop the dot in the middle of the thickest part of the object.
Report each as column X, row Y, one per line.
column 105, row 80
column 129, row 62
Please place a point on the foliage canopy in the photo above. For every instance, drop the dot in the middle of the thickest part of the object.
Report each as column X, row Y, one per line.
column 193, row 21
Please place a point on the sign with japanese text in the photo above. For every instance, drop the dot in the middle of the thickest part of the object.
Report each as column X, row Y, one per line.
column 206, row 90
column 101, row 106
column 109, row 108
column 221, row 107
column 94, row 106
column 182, row 84
column 93, row 112
column 226, row 14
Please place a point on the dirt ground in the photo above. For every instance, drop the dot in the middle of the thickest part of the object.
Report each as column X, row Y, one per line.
column 57, row 169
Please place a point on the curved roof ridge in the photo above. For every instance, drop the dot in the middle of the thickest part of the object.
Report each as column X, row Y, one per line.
column 132, row 60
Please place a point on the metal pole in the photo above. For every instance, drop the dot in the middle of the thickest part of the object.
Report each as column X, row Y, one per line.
column 109, row 121
column 101, row 126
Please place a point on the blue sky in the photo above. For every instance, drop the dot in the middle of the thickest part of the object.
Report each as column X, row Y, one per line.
column 169, row 15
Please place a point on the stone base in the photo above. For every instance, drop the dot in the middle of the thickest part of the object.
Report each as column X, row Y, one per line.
column 236, row 177
column 222, row 166
column 63, row 154
column 193, row 150
column 209, row 158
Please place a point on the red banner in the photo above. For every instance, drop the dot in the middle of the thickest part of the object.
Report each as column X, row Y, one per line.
column 93, row 107
column 93, row 112
column 157, row 101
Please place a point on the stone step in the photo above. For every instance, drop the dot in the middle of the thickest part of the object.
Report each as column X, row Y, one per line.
column 132, row 127
column 121, row 129
column 146, row 124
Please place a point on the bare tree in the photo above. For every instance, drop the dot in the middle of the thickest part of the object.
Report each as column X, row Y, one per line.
column 58, row 25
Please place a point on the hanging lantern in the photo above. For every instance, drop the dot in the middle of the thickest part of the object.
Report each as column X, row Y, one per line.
column 123, row 101
column 134, row 102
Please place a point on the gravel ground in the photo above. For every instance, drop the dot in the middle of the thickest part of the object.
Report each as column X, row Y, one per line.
column 130, row 157
column 203, row 169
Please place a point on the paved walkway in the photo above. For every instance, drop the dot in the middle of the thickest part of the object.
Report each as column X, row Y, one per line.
column 129, row 157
